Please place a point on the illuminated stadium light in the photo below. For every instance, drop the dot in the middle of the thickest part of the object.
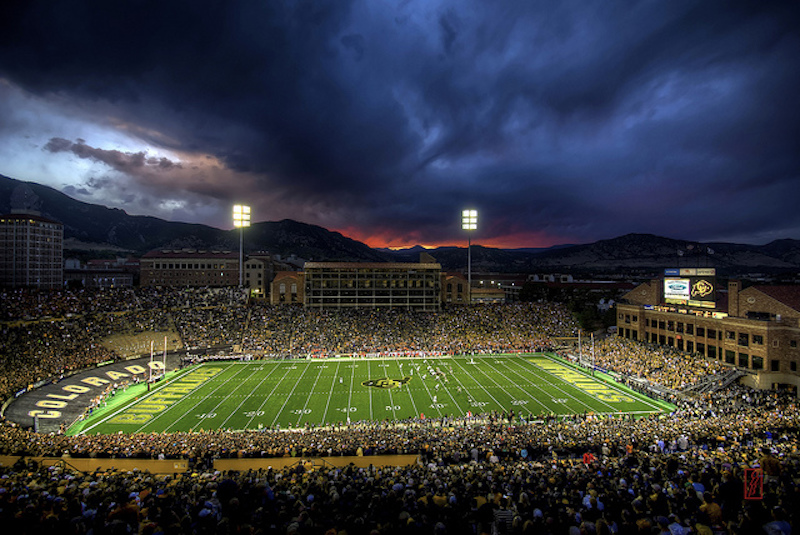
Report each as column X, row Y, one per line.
column 469, row 222
column 241, row 219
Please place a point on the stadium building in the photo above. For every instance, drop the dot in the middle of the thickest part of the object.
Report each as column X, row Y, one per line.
column 372, row 285
column 413, row 286
column 190, row 268
column 31, row 251
column 755, row 330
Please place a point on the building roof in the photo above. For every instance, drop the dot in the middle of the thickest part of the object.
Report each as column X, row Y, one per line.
column 787, row 295
column 370, row 265
column 191, row 253
column 29, row 217
column 287, row 275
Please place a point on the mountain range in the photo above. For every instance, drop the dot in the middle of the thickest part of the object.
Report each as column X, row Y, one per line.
column 94, row 230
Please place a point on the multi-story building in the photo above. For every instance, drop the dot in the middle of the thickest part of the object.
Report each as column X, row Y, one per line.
column 288, row 287
column 416, row 286
column 189, row 267
column 259, row 270
column 455, row 289
column 756, row 329
column 31, row 251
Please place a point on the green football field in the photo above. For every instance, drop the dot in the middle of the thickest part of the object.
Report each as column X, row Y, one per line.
column 290, row 393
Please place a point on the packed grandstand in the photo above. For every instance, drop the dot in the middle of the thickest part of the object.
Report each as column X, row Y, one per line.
column 686, row 472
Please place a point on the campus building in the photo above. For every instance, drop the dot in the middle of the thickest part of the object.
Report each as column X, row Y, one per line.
column 190, row 268
column 415, row 286
column 31, row 251
column 756, row 329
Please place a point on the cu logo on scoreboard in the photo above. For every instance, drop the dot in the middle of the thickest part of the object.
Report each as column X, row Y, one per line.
column 702, row 288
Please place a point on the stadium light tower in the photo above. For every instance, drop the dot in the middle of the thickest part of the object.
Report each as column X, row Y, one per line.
column 469, row 222
column 241, row 219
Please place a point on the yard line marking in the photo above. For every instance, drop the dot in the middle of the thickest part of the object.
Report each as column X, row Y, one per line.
column 510, row 380
column 289, row 396
column 543, row 390
column 554, row 385
column 350, row 395
column 232, row 394
column 176, row 420
column 410, row 395
column 302, row 412
column 499, row 405
column 330, row 393
column 638, row 397
column 369, row 390
column 535, row 385
column 432, row 405
column 247, row 425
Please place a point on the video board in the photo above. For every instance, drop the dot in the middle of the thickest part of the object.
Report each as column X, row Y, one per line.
column 694, row 287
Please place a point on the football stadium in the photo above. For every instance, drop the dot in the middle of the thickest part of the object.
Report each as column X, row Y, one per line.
column 198, row 411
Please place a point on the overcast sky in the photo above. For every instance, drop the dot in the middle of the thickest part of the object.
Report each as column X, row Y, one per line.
column 559, row 121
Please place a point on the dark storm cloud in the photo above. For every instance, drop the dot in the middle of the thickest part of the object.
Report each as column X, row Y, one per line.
column 575, row 120
column 130, row 163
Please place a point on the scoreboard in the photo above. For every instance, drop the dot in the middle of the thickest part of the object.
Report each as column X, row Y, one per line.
column 694, row 287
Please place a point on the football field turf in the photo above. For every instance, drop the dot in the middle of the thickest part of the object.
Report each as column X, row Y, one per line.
column 290, row 393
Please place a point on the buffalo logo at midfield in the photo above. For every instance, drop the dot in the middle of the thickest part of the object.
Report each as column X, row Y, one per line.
column 385, row 382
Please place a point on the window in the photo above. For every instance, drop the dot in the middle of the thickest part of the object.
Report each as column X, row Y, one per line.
column 712, row 334
column 793, row 343
column 689, row 328
column 670, row 325
column 730, row 356
column 758, row 340
column 793, row 366
column 744, row 339
column 634, row 318
column 744, row 360
column 701, row 348
column 689, row 346
column 701, row 331
column 758, row 363
column 774, row 365
column 679, row 327
column 730, row 335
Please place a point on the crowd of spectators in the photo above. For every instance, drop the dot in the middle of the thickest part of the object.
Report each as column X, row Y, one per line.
column 678, row 473
column 683, row 474
column 661, row 365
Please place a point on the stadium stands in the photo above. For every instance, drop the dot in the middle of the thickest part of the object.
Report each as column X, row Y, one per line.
column 686, row 471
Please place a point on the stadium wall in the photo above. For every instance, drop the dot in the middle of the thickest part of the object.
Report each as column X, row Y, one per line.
column 176, row 466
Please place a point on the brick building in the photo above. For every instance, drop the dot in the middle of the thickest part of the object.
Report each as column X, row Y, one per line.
column 756, row 329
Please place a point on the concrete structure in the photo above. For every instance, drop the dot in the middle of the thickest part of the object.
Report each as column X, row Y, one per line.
column 190, row 268
column 31, row 251
column 373, row 285
column 756, row 329
column 259, row 270
column 416, row 286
